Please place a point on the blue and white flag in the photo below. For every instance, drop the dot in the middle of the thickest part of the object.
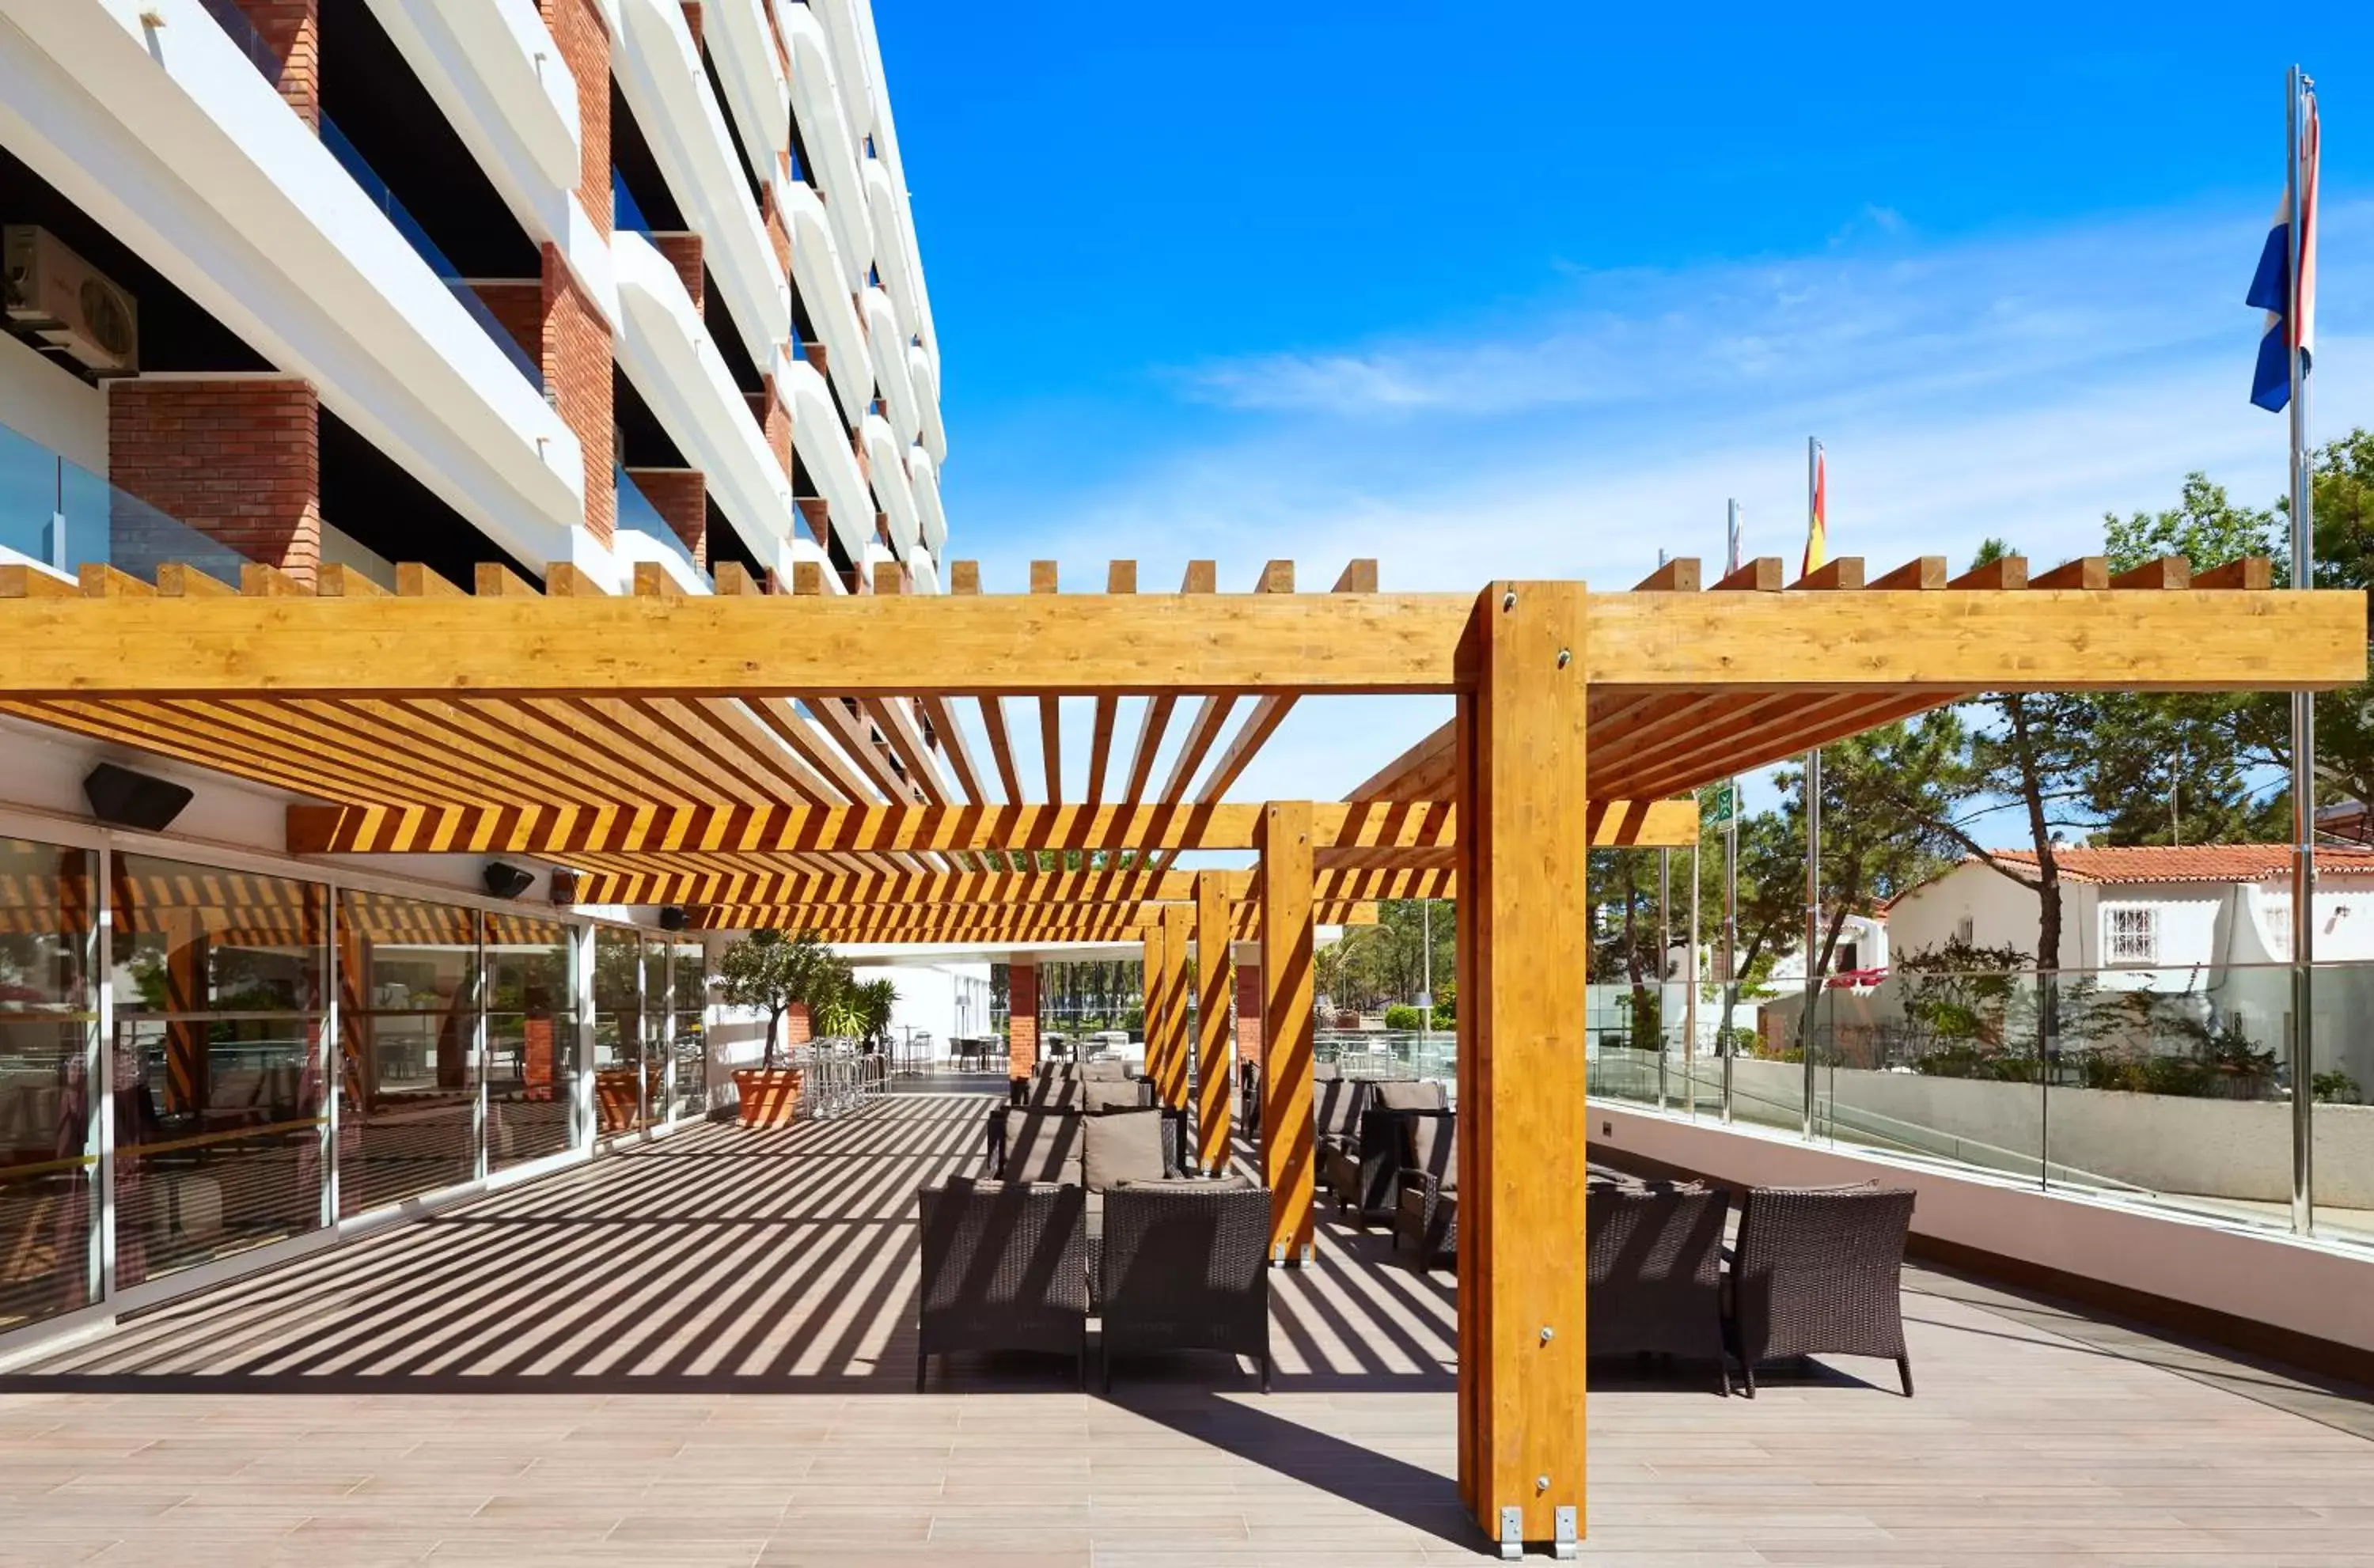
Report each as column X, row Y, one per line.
column 2271, row 387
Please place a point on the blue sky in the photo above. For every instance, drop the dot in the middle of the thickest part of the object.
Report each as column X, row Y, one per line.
column 1534, row 288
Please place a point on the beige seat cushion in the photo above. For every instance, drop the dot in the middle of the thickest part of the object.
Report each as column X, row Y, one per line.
column 1105, row 1071
column 1100, row 1098
column 1234, row 1181
column 1434, row 1148
column 1052, row 1094
column 1039, row 1144
column 1409, row 1096
column 1123, row 1146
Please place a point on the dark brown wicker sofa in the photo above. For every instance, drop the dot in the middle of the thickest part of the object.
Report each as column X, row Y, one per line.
column 1817, row 1273
column 1653, row 1256
column 1426, row 1217
column 1184, row 1265
column 1365, row 1173
column 1005, row 1268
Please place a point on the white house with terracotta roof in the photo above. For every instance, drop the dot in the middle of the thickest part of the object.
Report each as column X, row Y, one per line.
column 2150, row 906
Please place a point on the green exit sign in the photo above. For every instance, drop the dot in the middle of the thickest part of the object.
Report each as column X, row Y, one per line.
column 1719, row 803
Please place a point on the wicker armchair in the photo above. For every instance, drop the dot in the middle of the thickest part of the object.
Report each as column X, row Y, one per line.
column 1654, row 1269
column 1426, row 1219
column 1367, row 1176
column 1185, row 1268
column 1005, row 1268
column 1816, row 1273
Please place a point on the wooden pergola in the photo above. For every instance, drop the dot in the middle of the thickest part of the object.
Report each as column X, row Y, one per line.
column 794, row 759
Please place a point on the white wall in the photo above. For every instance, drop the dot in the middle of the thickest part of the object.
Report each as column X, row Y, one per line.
column 945, row 999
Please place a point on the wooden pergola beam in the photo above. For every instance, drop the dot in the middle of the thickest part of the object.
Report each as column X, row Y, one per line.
column 776, row 829
column 978, row 889
column 872, row 923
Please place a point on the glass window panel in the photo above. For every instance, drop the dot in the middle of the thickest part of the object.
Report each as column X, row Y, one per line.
column 408, row 1041
column 688, row 1046
column 531, row 1039
column 48, row 1027
column 654, row 1057
column 618, row 1030
column 218, row 1061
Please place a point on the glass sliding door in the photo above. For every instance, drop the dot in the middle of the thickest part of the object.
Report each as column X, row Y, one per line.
column 689, row 1031
column 532, row 1067
column 408, row 1046
column 49, row 1034
column 618, row 1031
column 220, row 982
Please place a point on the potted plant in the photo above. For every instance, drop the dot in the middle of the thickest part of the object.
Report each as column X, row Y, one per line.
column 774, row 973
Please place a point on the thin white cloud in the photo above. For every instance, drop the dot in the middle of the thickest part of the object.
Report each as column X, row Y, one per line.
column 2012, row 388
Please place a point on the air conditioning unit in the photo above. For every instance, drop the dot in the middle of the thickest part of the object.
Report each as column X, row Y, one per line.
column 59, row 302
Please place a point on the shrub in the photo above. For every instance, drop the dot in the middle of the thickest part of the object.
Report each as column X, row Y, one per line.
column 1401, row 1015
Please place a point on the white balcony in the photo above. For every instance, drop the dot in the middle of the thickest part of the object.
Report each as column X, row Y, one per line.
column 890, row 360
column 923, row 475
column 924, row 372
column 168, row 136
column 822, row 442
column 825, row 131
column 758, row 94
column 660, row 71
column 886, row 462
column 666, row 352
column 818, row 270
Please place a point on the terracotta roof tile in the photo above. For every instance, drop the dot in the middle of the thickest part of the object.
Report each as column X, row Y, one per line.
column 2190, row 862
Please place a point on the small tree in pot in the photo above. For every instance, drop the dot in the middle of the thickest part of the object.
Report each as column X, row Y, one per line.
column 774, row 973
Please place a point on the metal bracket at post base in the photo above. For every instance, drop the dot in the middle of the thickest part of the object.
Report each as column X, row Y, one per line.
column 1283, row 1257
column 1566, row 1548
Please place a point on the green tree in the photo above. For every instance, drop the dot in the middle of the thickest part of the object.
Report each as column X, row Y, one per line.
column 773, row 971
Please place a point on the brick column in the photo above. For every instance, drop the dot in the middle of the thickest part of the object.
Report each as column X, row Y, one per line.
column 797, row 1029
column 683, row 252
column 573, row 341
column 679, row 495
column 1022, row 1018
column 1249, row 1013
column 818, row 513
column 775, row 421
column 237, row 460
column 291, row 29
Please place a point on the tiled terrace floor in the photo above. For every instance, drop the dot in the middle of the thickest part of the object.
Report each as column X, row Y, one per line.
column 701, row 1351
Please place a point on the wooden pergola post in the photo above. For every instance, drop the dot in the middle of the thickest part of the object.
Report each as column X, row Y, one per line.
column 1289, row 1149
column 1177, row 931
column 1215, row 984
column 1524, row 942
column 1154, row 966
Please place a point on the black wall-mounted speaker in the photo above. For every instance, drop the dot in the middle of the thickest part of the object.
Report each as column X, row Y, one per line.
column 122, row 798
column 672, row 917
column 506, row 881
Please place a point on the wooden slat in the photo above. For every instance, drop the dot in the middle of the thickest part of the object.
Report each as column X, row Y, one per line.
column 1845, row 572
column 2168, row 574
column 1154, row 972
column 491, row 579
column 807, row 580
column 1761, row 575
column 1680, row 575
column 413, row 581
column 1178, row 1043
column 100, row 580
column 1358, row 576
column 2008, row 573
column 1289, row 1145
column 1926, row 573
column 653, row 580
column 565, row 580
column 965, row 578
column 1270, row 711
column 666, row 826
column 1051, row 711
column 1121, row 576
column 177, row 579
column 889, row 578
column 2254, row 573
column 733, row 578
column 1216, row 982
column 337, row 581
column 1521, row 1069
column 2085, row 571
column 259, row 581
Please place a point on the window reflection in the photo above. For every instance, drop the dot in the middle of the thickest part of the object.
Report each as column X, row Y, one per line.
column 531, row 1039
column 687, row 1036
column 49, row 1024
column 218, row 1057
column 618, row 1030
column 408, row 1041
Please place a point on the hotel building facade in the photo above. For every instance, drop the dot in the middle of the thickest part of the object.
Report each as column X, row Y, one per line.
column 362, row 296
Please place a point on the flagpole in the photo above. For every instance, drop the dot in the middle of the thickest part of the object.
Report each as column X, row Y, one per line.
column 1724, row 1045
column 1812, row 819
column 2302, row 1044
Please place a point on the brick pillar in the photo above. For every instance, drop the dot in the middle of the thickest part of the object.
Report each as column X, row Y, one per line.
column 291, row 29
column 1022, row 1018
column 573, row 341
column 679, row 495
column 771, row 216
column 692, row 19
column 822, row 360
column 775, row 422
column 797, row 1030
column 238, row 461
column 577, row 360
column 683, row 252
column 818, row 513
column 1249, row 1013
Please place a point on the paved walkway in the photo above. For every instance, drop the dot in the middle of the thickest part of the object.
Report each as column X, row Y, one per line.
column 701, row 1351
